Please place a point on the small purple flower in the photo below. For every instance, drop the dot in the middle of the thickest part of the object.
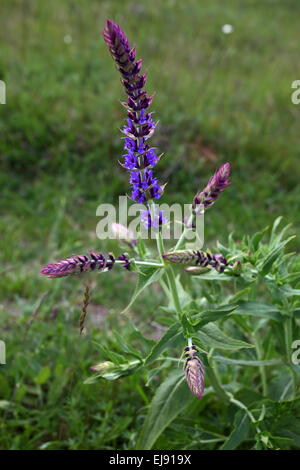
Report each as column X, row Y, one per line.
column 153, row 220
column 213, row 189
column 124, row 258
column 194, row 371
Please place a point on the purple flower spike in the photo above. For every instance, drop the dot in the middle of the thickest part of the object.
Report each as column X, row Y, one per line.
column 197, row 258
column 214, row 188
column 139, row 158
column 81, row 263
column 194, row 371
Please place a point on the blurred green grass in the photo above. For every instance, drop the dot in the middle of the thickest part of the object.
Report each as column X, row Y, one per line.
column 218, row 98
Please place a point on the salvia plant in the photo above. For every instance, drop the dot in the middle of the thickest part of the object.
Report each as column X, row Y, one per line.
column 234, row 308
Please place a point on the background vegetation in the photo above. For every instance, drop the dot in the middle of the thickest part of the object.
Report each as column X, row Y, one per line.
column 218, row 98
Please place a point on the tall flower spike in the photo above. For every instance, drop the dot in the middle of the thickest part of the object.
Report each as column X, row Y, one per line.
column 194, row 371
column 213, row 189
column 197, row 258
column 81, row 263
column 139, row 157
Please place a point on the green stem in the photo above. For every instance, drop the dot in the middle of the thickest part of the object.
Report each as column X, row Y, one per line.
column 216, row 385
column 214, row 379
column 143, row 263
column 173, row 290
column 288, row 334
column 226, row 397
column 160, row 246
column 182, row 237
column 170, row 276
column 262, row 370
column 241, row 405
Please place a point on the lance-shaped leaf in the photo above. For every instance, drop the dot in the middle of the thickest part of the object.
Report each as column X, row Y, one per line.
column 174, row 333
column 258, row 309
column 149, row 275
column 240, row 431
column 266, row 265
column 208, row 316
column 213, row 337
column 170, row 399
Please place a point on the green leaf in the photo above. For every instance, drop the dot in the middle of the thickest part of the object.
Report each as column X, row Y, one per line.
column 223, row 249
column 120, row 426
column 292, row 277
column 126, row 348
column 257, row 238
column 240, row 432
column 211, row 315
column 184, row 297
column 150, row 274
column 288, row 291
column 266, row 265
column 147, row 343
column 296, row 313
column 281, row 387
column 169, row 336
column 107, row 352
column 241, row 362
column 43, row 375
column 274, row 228
column 212, row 336
column 170, row 399
column 275, row 239
column 258, row 309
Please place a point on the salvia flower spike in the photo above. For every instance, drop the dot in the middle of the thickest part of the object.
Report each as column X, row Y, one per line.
column 213, row 189
column 197, row 258
column 81, row 263
column 194, row 371
column 139, row 157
